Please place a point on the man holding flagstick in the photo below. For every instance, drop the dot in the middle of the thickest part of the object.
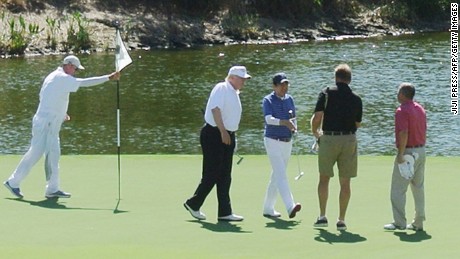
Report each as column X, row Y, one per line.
column 46, row 125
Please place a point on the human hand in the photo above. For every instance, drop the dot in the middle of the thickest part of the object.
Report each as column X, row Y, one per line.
column 114, row 76
column 400, row 158
column 225, row 138
column 290, row 124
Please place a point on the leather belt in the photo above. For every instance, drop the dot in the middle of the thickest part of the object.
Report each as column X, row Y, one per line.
column 338, row 133
column 281, row 139
column 215, row 127
column 416, row 146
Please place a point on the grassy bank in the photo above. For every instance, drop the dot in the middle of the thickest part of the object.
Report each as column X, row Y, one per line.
column 52, row 27
column 151, row 222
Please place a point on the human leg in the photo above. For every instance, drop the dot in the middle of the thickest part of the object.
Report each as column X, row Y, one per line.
column 417, row 185
column 52, row 157
column 278, row 153
column 399, row 187
column 31, row 157
column 210, row 144
column 323, row 193
column 344, row 196
column 327, row 156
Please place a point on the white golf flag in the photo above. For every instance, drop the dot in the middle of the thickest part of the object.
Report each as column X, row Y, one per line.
column 122, row 58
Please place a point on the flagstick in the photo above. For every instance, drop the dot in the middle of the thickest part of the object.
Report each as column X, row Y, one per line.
column 122, row 59
column 118, row 140
column 118, row 136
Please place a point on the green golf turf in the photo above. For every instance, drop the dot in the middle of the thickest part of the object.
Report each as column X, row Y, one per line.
column 152, row 223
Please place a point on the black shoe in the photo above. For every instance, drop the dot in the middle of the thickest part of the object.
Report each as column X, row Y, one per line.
column 321, row 222
column 341, row 225
column 294, row 210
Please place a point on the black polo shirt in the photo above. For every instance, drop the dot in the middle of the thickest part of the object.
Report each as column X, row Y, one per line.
column 343, row 109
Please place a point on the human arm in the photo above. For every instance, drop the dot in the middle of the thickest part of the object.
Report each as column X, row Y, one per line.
column 217, row 115
column 402, row 137
column 270, row 120
column 91, row 81
column 315, row 123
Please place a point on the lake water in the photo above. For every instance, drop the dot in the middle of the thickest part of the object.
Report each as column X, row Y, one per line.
column 164, row 91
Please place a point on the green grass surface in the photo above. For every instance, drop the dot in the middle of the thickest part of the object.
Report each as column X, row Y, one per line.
column 152, row 223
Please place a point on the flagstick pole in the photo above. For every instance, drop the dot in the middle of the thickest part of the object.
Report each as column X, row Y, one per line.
column 118, row 140
column 117, row 24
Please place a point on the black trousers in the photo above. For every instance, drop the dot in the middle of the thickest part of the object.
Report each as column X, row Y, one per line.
column 217, row 169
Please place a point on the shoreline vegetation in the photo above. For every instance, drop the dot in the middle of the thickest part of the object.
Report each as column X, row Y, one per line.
column 44, row 27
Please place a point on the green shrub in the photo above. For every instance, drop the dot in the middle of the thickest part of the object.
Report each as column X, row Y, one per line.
column 20, row 35
column 54, row 25
column 78, row 36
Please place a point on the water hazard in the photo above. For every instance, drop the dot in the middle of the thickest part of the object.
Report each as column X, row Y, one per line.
column 164, row 91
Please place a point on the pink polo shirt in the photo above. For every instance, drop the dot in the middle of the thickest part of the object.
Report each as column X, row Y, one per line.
column 411, row 116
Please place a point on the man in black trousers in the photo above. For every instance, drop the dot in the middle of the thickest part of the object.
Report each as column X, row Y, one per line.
column 217, row 138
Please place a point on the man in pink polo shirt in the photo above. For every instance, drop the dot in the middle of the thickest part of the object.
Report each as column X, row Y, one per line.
column 410, row 133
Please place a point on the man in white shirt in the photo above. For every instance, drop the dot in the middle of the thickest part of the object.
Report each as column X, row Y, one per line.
column 46, row 124
column 217, row 138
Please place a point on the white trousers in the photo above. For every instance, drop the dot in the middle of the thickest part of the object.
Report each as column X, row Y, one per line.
column 45, row 141
column 278, row 153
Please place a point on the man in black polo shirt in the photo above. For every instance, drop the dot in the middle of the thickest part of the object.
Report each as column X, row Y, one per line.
column 339, row 111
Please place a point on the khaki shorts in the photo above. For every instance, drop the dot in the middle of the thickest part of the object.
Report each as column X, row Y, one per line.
column 340, row 149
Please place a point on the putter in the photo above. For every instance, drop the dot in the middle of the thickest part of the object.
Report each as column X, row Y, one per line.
column 240, row 158
column 301, row 173
column 314, row 147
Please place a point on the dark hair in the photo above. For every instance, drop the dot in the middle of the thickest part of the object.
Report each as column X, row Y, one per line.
column 408, row 90
column 343, row 72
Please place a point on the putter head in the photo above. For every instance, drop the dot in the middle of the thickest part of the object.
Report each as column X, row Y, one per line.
column 299, row 176
column 240, row 160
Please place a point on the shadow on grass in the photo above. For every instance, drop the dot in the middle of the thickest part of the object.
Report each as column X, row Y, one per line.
column 341, row 237
column 282, row 224
column 52, row 203
column 415, row 237
column 221, row 226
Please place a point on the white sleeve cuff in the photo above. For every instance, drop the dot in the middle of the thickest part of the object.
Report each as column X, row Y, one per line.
column 270, row 120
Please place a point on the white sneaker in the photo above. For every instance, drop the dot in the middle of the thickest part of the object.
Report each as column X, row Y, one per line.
column 231, row 217
column 58, row 194
column 195, row 213
column 393, row 226
column 273, row 214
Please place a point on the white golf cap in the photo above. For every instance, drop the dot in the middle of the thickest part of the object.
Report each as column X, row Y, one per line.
column 407, row 169
column 73, row 60
column 239, row 71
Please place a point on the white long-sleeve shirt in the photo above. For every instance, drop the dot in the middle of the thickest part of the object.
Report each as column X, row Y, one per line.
column 54, row 94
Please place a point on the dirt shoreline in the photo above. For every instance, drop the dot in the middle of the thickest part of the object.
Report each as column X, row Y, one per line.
column 147, row 29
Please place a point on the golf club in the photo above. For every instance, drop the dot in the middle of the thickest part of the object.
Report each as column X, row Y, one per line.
column 314, row 147
column 240, row 158
column 297, row 149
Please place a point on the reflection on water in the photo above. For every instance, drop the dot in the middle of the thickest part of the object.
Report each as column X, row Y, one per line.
column 164, row 91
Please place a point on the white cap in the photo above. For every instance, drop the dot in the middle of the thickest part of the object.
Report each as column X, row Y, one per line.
column 239, row 71
column 73, row 60
column 406, row 169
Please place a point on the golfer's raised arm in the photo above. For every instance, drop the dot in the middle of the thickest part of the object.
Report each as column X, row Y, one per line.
column 97, row 80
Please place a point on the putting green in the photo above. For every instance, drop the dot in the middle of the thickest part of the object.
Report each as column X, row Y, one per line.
column 152, row 223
